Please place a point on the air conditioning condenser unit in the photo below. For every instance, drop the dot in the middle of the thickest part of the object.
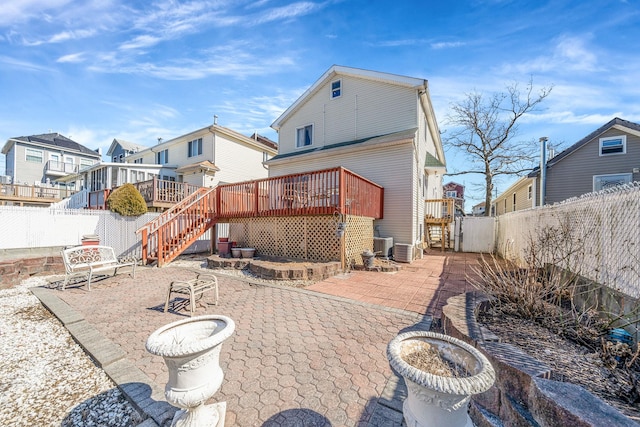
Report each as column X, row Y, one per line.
column 383, row 246
column 403, row 252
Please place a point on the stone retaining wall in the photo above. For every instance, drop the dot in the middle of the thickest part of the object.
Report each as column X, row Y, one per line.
column 12, row 272
column 523, row 394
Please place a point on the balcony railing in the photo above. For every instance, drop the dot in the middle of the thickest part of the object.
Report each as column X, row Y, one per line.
column 33, row 193
column 54, row 167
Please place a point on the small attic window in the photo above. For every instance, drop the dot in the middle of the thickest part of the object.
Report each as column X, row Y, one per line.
column 336, row 89
column 613, row 145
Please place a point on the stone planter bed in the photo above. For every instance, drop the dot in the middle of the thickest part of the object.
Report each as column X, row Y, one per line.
column 523, row 394
column 278, row 268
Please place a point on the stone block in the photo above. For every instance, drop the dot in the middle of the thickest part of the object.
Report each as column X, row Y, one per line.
column 482, row 417
column 515, row 414
column 566, row 404
column 490, row 399
column 514, row 368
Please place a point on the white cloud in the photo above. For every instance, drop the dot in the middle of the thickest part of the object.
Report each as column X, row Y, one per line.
column 569, row 53
column 140, row 42
column 23, row 65
column 18, row 11
column 72, row 58
column 290, row 11
column 446, row 45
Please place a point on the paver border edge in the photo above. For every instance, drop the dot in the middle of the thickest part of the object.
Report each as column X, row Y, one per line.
column 119, row 369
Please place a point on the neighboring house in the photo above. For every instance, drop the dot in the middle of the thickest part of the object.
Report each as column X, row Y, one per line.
column 455, row 191
column 478, row 210
column 607, row 157
column 45, row 158
column 378, row 125
column 208, row 156
column 120, row 149
column 519, row 196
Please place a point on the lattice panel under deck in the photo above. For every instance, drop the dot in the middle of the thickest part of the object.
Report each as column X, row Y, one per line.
column 322, row 242
column 358, row 237
column 303, row 237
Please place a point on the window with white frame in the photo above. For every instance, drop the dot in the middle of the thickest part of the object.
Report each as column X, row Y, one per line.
column 162, row 157
column 304, row 136
column 602, row 182
column 195, row 148
column 529, row 192
column 451, row 194
column 137, row 160
column 32, row 155
column 336, row 89
column 85, row 163
column 613, row 145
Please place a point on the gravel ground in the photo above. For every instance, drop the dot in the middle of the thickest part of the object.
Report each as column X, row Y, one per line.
column 46, row 379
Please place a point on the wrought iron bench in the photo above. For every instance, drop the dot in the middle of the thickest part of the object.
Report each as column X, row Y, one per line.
column 193, row 289
column 87, row 260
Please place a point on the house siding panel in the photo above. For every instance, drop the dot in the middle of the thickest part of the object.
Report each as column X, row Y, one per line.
column 366, row 108
column 237, row 161
column 573, row 176
column 390, row 168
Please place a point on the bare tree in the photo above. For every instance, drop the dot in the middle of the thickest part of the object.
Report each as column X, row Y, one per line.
column 484, row 128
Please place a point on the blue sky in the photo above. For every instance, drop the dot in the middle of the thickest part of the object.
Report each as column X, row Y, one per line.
column 139, row 70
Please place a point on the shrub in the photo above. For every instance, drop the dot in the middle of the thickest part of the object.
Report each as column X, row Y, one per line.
column 127, row 201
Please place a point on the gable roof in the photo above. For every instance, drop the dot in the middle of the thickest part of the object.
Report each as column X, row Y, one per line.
column 126, row 145
column 618, row 123
column 51, row 140
column 338, row 70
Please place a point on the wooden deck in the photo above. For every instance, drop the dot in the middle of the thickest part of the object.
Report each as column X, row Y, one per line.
column 323, row 192
column 32, row 195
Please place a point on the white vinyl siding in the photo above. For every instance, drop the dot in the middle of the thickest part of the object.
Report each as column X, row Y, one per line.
column 390, row 167
column 238, row 161
column 369, row 108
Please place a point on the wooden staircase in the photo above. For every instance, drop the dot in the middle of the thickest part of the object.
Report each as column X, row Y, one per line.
column 167, row 236
column 438, row 233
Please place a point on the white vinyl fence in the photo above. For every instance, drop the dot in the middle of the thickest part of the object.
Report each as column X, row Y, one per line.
column 603, row 226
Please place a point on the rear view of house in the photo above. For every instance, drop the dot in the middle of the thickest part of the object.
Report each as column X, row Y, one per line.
column 380, row 126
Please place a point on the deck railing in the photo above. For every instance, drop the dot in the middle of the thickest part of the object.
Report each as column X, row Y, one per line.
column 163, row 191
column 156, row 192
column 44, row 193
column 311, row 193
column 439, row 209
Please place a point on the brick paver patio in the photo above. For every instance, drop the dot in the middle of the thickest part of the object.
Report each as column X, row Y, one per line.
column 297, row 357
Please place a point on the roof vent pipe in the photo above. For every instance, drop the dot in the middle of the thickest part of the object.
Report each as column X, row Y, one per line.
column 215, row 120
column 543, row 168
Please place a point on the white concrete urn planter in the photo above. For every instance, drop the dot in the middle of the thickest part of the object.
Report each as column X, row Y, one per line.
column 191, row 351
column 435, row 400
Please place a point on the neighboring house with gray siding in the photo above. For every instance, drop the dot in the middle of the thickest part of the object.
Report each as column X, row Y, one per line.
column 45, row 158
column 608, row 156
column 378, row 125
column 120, row 149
